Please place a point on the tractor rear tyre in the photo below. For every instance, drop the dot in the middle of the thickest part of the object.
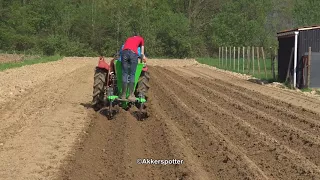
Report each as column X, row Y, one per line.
column 142, row 88
column 143, row 84
column 100, row 76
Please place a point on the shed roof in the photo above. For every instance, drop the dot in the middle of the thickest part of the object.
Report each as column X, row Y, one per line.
column 290, row 32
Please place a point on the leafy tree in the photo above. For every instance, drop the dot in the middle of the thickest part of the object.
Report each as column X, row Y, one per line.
column 307, row 12
column 176, row 28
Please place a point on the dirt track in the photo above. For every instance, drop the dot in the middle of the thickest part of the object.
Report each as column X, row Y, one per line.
column 222, row 127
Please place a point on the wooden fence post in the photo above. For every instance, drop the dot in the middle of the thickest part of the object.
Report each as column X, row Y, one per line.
column 271, row 54
column 264, row 63
column 309, row 66
column 219, row 55
column 226, row 57
column 305, row 71
column 253, row 60
column 249, row 59
column 289, row 66
column 222, row 57
column 258, row 56
column 238, row 59
column 243, row 50
column 234, row 58
column 230, row 64
column 273, row 64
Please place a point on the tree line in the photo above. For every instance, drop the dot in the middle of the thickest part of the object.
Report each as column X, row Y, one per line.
column 171, row 28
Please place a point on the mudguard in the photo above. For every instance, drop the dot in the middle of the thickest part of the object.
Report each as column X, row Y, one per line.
column 102, row 64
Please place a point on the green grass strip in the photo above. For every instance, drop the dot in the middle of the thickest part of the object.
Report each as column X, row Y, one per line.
column 306, row 90
column 229, row 65
column 45, row 59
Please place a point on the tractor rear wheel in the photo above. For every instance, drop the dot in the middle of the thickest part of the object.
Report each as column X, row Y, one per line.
column 143, row 84
column 142, row 89
column 99, row 88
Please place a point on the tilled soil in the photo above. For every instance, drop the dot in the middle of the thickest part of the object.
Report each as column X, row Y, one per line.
column 222, row 127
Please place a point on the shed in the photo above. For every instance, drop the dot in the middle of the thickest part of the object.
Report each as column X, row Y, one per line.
column 293, row 51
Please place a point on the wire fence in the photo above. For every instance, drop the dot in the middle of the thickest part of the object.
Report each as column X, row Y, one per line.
column 249, row 60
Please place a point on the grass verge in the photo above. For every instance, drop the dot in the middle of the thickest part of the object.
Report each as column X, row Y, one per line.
column 315, row 90
column 45, row 59
column 306, row 90
column 243, row 67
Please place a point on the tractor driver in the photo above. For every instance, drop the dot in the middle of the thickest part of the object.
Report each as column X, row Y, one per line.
column 129, row 62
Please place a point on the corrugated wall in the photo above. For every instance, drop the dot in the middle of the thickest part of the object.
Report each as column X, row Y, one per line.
column 309, row 38
column 315, row 70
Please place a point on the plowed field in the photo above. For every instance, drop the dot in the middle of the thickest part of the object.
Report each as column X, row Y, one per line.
column 221, row 126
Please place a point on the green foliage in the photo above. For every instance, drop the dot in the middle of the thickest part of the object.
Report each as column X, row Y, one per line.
column 241, row 23
column 176, row 28
column 307, row 12
column 306, row 90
